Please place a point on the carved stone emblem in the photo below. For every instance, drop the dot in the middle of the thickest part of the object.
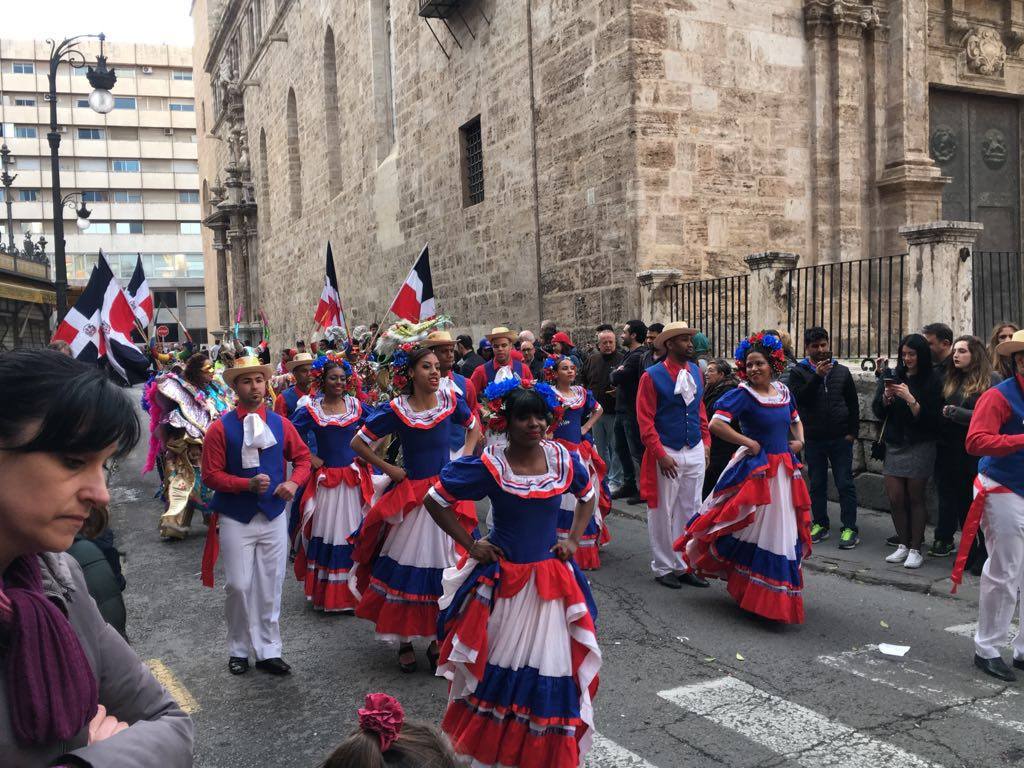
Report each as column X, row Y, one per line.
column 985, row 52
column 993, row 149
column 943, row 145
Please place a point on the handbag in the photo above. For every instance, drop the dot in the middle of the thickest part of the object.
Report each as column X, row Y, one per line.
column 878, row 446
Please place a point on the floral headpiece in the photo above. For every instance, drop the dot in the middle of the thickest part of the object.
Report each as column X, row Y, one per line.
column 382, row 715
column 333, row 357
column 494, row 401
column 768, row 345
column 400, row 365
column 551, row 366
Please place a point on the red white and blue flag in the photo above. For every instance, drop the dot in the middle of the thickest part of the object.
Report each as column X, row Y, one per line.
column 139, row 297
column 415, row 299
column 329, row 311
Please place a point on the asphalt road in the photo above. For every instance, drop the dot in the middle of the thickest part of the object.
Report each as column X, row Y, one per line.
column 687, row 680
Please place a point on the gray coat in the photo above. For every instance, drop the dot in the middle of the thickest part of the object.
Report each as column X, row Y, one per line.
column 160, row 734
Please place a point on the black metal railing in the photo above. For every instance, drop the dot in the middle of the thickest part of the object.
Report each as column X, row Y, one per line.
column 859, row 303
column 717, row 306
column 998, row 278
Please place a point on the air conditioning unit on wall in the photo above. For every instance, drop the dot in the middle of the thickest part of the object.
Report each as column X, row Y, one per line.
column 147, row 70
column 168, row 131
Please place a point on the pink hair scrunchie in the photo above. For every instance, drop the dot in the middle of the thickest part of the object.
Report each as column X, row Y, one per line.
column 382, row 715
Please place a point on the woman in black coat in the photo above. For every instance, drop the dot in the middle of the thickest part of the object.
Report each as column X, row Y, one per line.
column 718, row 379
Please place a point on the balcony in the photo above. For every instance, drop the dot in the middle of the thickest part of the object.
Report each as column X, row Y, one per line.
column 439, row 9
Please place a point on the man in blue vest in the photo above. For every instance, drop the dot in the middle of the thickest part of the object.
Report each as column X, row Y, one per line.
column 674, row 430
column 245, row 459
column 499, row 368
column 997, row 435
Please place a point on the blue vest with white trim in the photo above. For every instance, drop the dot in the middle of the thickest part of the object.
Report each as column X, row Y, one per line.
column 457, row 439
column 1008, row 470
column 678, row 424
column 492, row 371
column 244, row 506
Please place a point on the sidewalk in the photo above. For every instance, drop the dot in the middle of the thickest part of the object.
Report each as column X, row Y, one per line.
column 866, row 563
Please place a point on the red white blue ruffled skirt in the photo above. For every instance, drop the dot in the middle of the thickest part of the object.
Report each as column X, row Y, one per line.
column 399, row 556
column 753, row 531
column 332, row 508
column 596, row 535
column 520, row 651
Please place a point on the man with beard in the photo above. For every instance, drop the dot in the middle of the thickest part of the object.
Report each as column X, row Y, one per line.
column 826, row 398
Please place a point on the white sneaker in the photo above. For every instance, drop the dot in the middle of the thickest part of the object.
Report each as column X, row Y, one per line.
column 914, row 559
column 899, row 555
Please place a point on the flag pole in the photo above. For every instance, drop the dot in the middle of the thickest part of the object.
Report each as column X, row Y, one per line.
column 187, row 334
column 380, row 323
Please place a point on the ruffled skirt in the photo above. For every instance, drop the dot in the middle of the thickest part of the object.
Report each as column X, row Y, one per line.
column 520, row 651
column 753, row 532
column 595, row 536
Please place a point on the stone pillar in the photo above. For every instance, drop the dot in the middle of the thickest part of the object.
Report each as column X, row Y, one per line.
column 939, row 285
column 823, row 183
column 911, row 183
column 768, row 289
column 655, row 299
column 849, row 130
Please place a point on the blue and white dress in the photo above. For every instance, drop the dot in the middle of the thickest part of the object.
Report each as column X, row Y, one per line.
column 518, row 640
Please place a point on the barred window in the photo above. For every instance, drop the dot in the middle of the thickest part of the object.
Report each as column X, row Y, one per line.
column 471, row 140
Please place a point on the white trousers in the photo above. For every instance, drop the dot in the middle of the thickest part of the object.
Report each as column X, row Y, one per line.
column 255, row 556
column 1002, row 578
column 678, row 500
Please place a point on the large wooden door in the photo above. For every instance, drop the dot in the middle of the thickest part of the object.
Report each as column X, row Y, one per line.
column 974, row 139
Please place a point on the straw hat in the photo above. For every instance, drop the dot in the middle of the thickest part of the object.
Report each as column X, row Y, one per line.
column 246, row 365
column 303, row 358
column 438, row 339
column 675, row 329
column 501, row 332
column 1013, row 346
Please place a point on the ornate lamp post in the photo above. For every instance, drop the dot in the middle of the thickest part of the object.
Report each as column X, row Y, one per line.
column 29, row 251
column 102, row 80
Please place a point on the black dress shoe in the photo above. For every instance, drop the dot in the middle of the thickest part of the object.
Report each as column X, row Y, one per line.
column 238, row 665
column 275, row 666
column 669, row 580
column 996, row 667
column 693, row 580
column 635, row 500
column 624, row 492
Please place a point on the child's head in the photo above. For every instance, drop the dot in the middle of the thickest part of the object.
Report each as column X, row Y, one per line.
column 385, row 740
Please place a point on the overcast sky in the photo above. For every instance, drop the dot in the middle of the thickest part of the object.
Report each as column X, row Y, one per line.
column 123, row 21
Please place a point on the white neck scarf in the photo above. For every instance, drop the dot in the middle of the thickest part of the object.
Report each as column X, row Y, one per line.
column 257, row 436
column 685, row 385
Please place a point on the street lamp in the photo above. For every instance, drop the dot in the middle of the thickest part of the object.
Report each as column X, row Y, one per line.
column 102, row 80
column 83, row 213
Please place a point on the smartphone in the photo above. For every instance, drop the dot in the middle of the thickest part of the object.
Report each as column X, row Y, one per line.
column 889, row 376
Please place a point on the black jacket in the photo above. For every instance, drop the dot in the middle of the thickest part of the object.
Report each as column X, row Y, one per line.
column 901, row 428
column 626, row 379
column 469, row 363
column 829, row 407
column 721, row 451
column 597, row 377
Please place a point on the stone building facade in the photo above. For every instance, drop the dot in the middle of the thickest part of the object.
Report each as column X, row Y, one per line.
column 623, row 142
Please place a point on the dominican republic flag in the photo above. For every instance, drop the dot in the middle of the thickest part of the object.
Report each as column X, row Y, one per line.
column 329, row 311
column 139, row 297
column 82, row 326
column 415, row 299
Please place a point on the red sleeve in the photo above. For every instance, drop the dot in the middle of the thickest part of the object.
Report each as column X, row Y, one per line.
column 527, row 373
column 983, row 438
column 517, row 355
column 214, row 463
column 297, row 452
column 479, row 378
column 646, row 404
column 705, row 431
column 280, row 406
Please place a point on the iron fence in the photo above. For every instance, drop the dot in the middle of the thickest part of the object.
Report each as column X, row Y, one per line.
column 998, row 278
column 717, row 306
column 860, row 304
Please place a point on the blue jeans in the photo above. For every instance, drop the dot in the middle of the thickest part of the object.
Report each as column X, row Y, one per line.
column 604, row 436
column 819, row 454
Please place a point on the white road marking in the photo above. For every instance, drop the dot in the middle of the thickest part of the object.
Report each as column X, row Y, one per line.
column 605, row 753
column 987, row 700
column 788, row 729
column 968, row 630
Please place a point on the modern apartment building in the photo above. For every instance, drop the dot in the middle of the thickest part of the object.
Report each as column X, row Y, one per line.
column 136, row 167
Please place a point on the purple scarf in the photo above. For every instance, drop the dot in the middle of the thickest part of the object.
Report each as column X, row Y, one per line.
column 51, row 690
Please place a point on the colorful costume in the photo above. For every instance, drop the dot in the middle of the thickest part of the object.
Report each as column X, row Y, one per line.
column 568, row 432
column 519, row 645
column 672, row 420
column 754, row 528
column 333, row 505
column 464, row 388
column 488, row 373
column 285, row 405
column 399, row 552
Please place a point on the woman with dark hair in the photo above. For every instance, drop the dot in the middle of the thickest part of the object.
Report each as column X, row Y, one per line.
column 339, row 492
column 1001, row 333
column 399, row 554
column 907, row 402
column 967, row 379
column 519, row 603
column 718, row 379
column 75, row 693
column 754, row 530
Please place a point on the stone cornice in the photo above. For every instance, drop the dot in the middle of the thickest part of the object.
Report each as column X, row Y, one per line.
column 847, row 18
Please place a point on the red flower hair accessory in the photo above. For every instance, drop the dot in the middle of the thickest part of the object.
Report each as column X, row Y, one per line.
column 384, row 716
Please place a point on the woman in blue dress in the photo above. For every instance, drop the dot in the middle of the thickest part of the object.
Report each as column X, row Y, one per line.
column 337, row 495
column 399, row 553
column 754, row 528
column 517, row 621
column 577, row 416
